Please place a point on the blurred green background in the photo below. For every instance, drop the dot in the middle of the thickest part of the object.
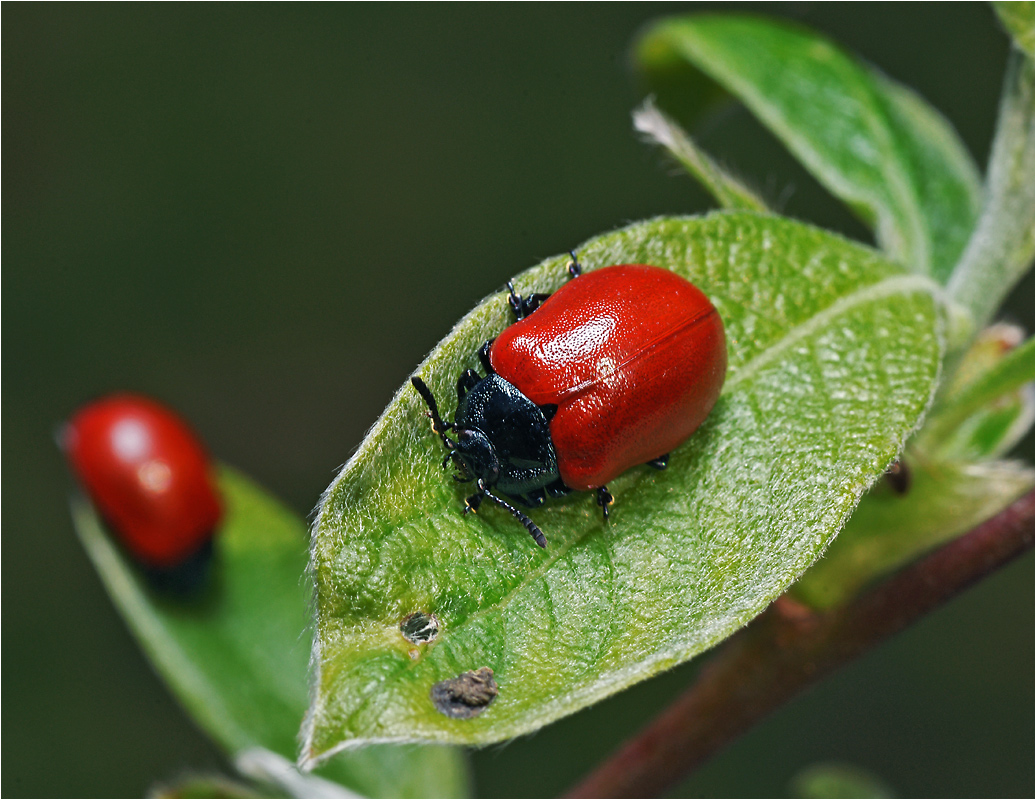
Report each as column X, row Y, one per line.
column 266, row 215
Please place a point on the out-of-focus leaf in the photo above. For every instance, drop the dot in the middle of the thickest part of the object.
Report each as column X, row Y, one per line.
column 1001, row 249
column 280, row 777
column 685, row 92
column 872, row 142
column 1017, row 17
column 838, row 780
column 236, row 655
column 202, row 786
column 984, row 413
column 728, row 191
column 833, row 356
column 889, row 529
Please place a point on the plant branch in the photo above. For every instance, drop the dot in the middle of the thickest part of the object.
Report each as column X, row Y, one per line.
column 790, row 647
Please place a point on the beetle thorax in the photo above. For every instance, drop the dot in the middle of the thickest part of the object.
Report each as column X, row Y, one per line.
column 503, row 438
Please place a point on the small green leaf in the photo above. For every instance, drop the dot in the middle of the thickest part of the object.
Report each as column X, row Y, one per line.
column 727, row 190
column 202, row 786
column 833, row 356
column 872, row 142
column 236, row 656
column 890, row 529
column 1017, row 17
column 838, row 780
column 1000, row 250
column 988, row 409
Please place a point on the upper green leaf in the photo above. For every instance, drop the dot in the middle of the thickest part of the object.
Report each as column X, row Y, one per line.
column 872, row 142
column 1017, row 17
column 236, row 656
column 833, row 356
column 729, row 192
column 1000, row 250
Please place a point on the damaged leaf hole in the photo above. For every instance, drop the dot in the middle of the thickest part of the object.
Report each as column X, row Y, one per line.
column 420, row 628
column 467, row 695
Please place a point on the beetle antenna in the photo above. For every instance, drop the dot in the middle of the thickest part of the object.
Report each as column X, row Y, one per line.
column 438, row 425
column 530, row 526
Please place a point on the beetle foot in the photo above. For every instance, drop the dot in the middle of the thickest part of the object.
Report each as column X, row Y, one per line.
column 604, row 499
column 659, row 463
column 575, row 269
column 523, row 306
column 472, row 503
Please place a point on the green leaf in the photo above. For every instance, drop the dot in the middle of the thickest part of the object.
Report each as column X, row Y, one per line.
column 727, row 190
column 202, row 786
column 833, row 356
column 988, row 406
column 888, row 529
column 236, row 656
column 1018, row 19
column 1001, row 249
column 838, row 780
column 872, row 142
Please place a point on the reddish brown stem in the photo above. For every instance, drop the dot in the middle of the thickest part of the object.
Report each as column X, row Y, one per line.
column 789, row 647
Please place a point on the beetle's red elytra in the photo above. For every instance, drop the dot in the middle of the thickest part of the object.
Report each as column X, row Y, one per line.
column 615, row 369
column 148, row 475
column 633, row 356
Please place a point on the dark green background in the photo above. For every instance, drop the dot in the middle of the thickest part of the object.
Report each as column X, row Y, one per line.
column 266, row 215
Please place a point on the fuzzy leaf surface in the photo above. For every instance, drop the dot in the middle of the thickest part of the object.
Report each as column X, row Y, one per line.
column 236, row 655
column 833, row 356
column 870, row 141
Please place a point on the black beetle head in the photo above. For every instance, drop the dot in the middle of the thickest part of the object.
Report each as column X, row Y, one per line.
column 474, row 455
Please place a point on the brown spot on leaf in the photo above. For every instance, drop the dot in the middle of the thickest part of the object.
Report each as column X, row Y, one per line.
column 467, row 695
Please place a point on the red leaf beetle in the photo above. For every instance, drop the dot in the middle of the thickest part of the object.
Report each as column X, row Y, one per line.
column 150, row 478
column 615, row 369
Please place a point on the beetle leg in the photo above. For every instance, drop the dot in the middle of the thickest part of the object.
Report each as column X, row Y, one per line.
column 514, row 300
column 467, row 381
column 472, row 503
column 557, row 489
column 575, row 269
column 537, row 497
column 483, row 356
column 659, row 463
column 604, row 499
column 523, row 306
column 534, row 301
column 530, row 526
